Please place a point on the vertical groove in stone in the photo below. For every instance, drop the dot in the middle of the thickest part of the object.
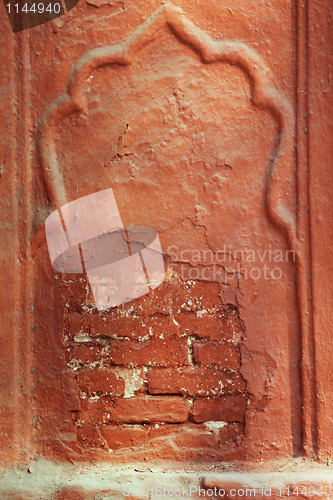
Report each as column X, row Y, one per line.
column 304, row 237
column 22, row 289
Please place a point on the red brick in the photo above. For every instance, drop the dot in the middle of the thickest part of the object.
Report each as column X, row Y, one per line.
column 175, row 294
column 77, row 493
column 153, row 313
column 100, row 380
column 230, row 325
column 143, row 409
column 193, row 381
column 207, row 326
column 228, row 409
column 76, row 290
column 222, row 355
column 165, row 299
column 108, row 380
column 94, row 410
column 72, row 494
column 181, row 308
column 171, row 351
column 124, row 436
column 185, row 441
column 116, row 324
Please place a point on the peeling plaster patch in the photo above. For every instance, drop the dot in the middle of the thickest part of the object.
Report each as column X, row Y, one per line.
column 133, row 381
column 215, row 426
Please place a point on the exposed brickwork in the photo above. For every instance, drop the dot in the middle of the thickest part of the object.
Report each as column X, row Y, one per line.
column 125, row 352
column 152, row 372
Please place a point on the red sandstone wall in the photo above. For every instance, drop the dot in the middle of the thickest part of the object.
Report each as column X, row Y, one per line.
column 197, row 123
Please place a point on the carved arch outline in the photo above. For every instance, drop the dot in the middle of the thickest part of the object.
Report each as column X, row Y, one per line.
column 264, row 95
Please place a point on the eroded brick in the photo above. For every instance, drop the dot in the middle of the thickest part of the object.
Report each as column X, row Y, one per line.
column 149, row 409
column 115, row 381
column 124, row 436
column 222, row 355
column 172, row 351
column 194, row 381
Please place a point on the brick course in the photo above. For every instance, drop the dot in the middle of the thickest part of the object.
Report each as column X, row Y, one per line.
column 194, row 381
